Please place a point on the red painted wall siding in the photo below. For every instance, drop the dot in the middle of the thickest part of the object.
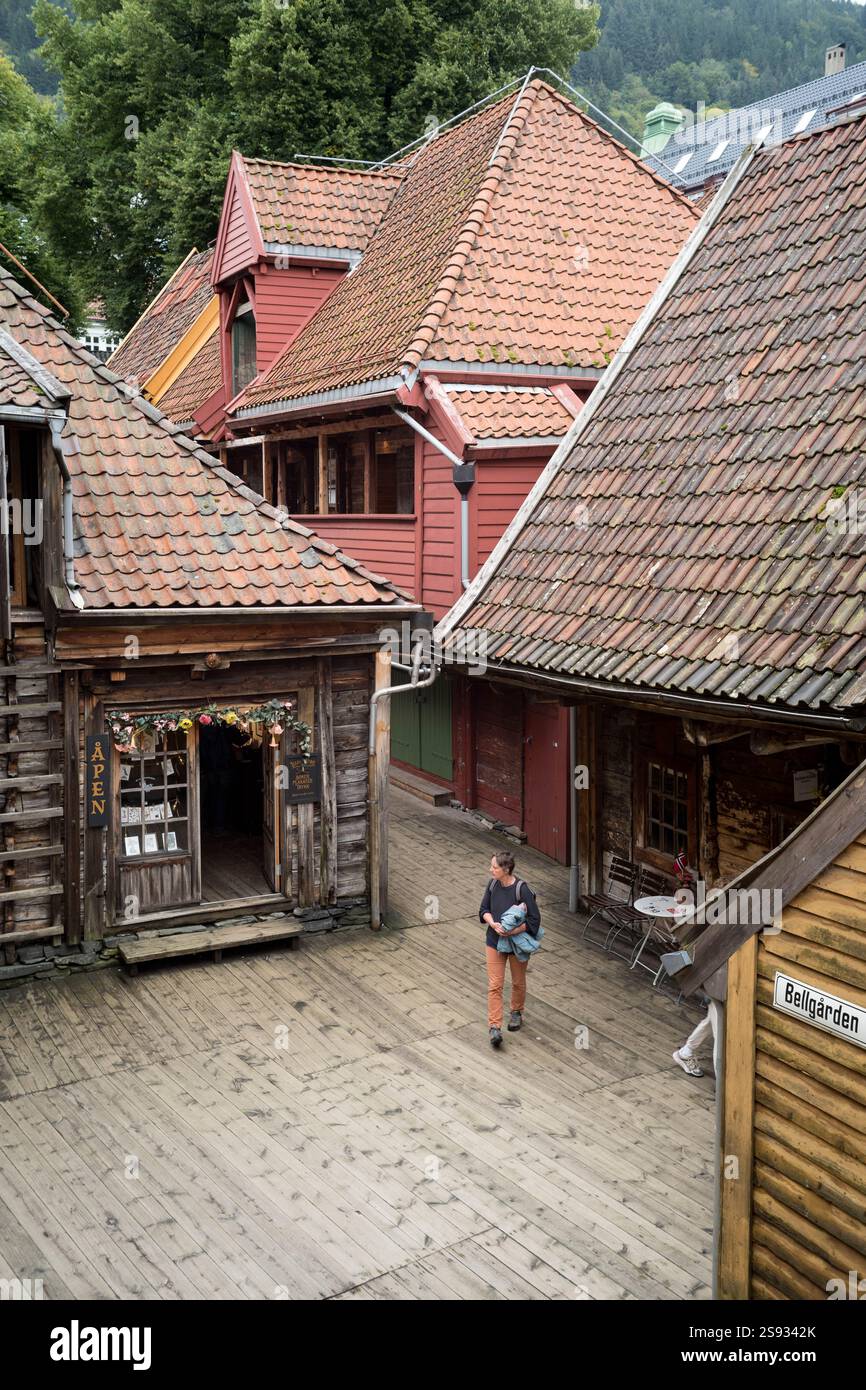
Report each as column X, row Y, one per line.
column 238, row 253
column 500, row 488
column 440, row 520
column 285, row 299
column 383, row 544
column 499, row 752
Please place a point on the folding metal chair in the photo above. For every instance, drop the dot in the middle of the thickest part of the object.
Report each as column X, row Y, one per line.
column 619, row 886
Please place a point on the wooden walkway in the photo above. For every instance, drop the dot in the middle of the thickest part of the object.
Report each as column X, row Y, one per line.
column 332, row 1123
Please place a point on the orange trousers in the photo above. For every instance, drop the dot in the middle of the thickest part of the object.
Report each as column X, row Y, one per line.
column 496, row 979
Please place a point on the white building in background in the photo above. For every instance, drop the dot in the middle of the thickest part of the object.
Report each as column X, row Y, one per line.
column 96, row 335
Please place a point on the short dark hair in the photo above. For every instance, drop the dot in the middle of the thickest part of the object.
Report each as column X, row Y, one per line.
column 505, row 860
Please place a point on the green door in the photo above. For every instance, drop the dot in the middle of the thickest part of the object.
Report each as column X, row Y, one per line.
column 405, row 724
column 421, row 727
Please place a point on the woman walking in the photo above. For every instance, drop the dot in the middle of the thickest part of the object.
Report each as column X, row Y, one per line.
column 505, row 891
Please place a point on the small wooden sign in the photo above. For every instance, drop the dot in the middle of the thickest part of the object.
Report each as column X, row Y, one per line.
column 305, row 779
column 98, row 778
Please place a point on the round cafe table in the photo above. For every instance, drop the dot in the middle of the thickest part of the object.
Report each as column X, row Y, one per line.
column 662, row 907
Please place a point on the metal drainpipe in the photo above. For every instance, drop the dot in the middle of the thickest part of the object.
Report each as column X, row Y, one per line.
column 417, row 682
column 463, row 477
column 574, row 868
column 68, row 552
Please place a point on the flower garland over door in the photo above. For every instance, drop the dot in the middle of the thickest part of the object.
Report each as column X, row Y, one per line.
column 276, row 716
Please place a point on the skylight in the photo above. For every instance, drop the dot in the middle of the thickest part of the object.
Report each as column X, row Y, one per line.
column 718, row 151
column 681, row 163
column 803, row 122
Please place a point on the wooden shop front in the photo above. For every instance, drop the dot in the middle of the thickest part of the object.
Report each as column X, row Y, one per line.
column 227, row 780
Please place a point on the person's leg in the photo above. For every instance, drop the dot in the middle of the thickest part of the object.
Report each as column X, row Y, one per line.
column 697, row 1037
column 518, row 983
column 495, row 980
column 713, row 1016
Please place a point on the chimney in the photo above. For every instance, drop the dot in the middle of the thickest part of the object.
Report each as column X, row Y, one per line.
column 834, row 60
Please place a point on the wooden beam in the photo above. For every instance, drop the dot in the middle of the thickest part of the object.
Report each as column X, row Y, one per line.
column 71, row 798
column 378, row 789
column 738, row 1126
column 703, row 735
column 328, row 806
column 323, row 475
column 306, row 812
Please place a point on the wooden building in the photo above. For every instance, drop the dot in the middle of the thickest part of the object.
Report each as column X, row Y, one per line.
column 792, row 1142
column 188, row 673
column 687, row 576
column 404, row 347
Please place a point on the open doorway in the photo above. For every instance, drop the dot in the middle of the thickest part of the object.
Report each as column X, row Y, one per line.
column 232, row 834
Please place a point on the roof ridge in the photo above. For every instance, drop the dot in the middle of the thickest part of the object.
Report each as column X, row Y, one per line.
column 473, row 222
column 624, row 149
column 157, row 417
column 318, row 169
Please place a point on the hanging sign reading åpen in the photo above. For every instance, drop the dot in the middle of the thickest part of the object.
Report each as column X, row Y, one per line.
column 98, row 769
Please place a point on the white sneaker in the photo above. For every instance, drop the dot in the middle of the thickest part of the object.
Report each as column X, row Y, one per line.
column 688, row 1064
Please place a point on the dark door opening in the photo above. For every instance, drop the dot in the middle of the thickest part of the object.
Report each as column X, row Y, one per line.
column 232, row 843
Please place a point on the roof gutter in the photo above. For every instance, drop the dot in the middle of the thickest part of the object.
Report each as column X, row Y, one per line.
column 368, row 393
column 841, row 723
column 309, row 610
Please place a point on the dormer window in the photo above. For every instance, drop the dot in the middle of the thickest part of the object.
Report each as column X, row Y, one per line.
column 243, row 347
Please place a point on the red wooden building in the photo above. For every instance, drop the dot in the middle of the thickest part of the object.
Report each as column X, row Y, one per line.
column 402, row 349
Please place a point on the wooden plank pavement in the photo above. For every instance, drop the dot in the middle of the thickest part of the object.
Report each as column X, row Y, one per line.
column 332, row 1123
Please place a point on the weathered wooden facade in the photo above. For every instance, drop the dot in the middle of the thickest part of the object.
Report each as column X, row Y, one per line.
column 792, row 1146
column 188, row 675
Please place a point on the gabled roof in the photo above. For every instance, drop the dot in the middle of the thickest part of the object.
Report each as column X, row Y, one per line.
column 165, row 320
column 523, row 235
column 305, row 205
column 684, row 537
column 709, row 149
column 157, row 522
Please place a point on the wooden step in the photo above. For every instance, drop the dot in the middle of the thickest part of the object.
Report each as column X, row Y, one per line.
column 29, row 711
column 32, row 782
column 50, row 890
column 430, row 792
column 30, row 852
column 34, row 817
column 31, row 745
column 212, row 939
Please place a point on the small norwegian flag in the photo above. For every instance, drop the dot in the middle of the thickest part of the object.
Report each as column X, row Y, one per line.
column 681, row 868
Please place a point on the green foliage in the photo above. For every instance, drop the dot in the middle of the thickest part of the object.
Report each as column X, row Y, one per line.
column 154, row 95
column 723, row 53
column 27, row 131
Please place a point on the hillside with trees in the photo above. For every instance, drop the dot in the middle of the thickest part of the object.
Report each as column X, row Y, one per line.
column 720, row 52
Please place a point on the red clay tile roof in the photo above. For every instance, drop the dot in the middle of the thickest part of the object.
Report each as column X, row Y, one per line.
column 525, row 234
column 164, row 322
column 200, row 378
column 306, row 205
column 158, row 522
column 495, row 412
column 687, row 540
